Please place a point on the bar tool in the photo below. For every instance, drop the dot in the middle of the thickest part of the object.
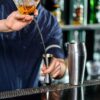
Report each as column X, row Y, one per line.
column 76, row 62
column 47, row 60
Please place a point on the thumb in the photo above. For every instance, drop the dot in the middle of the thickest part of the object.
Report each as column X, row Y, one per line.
column 44, row 68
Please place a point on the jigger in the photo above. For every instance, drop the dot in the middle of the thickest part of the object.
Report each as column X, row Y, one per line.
column 76, row 62
column 47, row 60
column 47, row 80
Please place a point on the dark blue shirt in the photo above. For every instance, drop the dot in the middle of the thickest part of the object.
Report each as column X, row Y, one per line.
column 21, row 51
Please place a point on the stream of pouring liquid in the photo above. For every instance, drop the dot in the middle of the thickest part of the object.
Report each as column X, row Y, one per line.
column 29, row 9
column 47, row 93
column 41, row 39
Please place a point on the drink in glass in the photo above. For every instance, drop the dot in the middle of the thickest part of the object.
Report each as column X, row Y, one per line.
column 26, row 6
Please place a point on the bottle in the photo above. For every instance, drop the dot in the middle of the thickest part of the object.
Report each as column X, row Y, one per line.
column 62, row 11
column 78, row 13
column 54, row 7
column 91, row 33
column 96, row 55
column 92, row 17
column 78, row 17
column 98, row 11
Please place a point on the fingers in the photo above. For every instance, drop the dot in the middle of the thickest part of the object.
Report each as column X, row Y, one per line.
column 18, row 15
column 56, row 72
column 36, row 12
column 54, row 69
column 56, row 75
column 43, row 69
column 51, row 67
column 28, row 18
column 23, row 17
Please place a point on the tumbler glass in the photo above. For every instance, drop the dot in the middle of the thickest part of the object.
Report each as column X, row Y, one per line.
column 26, row 6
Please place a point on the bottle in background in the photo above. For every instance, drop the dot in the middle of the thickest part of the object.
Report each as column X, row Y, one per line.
column 96, row 54
column 55, row 7
column 78, row 16
column 98, row 11
column 92, row 16
column 56, row 10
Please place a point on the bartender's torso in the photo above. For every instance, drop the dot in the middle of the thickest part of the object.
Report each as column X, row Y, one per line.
column 20, row 53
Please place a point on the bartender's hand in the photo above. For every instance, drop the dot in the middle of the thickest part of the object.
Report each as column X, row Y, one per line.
column 16, row 21
column 56, row 69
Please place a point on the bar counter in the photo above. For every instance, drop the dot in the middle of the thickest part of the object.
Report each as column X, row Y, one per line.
column 90, row 90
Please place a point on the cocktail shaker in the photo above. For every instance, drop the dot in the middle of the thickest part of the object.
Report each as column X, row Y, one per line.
column 76, row 62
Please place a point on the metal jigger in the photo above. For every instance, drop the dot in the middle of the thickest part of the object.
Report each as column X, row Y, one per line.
column 76, row 62
column 47, row 59
column 47, row 80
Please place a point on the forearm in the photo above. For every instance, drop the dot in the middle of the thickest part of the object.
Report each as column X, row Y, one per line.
column 3, row 27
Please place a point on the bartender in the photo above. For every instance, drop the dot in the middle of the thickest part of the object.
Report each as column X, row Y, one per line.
column 21, row 49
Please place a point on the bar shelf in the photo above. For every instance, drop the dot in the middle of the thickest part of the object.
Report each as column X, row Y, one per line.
column 80, row 27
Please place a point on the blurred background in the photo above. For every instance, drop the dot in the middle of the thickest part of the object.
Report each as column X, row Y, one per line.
column 79, row 20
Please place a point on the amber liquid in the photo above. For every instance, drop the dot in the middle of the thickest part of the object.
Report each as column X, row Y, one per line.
column 26, row 9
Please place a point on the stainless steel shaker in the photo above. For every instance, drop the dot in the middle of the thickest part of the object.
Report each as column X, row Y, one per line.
column 76, row 62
